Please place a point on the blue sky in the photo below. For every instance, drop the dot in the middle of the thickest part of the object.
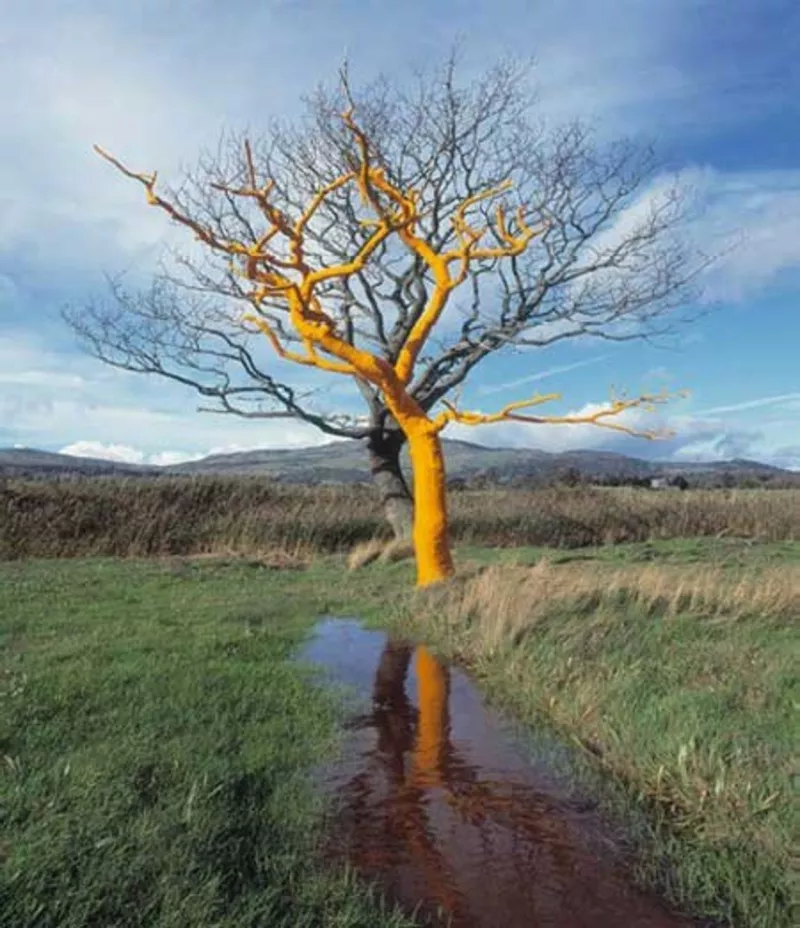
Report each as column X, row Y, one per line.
column 716, row 86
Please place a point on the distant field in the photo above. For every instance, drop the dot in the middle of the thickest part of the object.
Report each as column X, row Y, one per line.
column 131, row 517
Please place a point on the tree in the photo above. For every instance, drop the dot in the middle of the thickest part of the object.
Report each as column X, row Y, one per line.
column 605, row 263
column 281, row 275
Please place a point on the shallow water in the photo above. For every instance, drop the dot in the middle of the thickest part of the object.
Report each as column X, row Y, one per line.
column 436, row 802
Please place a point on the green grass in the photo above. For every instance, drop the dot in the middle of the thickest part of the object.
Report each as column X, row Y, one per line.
column 157, row 741
column 722, row 552
column 690, row 714
column 156, row 744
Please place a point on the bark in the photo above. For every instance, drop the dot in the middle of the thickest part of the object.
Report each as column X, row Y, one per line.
column 431, row 542
column 384, row 448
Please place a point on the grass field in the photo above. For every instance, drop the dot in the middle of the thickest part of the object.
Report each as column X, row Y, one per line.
column 146, row 517
column 674, row 668
column 157, row 741
column 156, row 744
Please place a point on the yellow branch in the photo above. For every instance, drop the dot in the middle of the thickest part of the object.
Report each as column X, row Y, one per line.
column 310, row 360
column 445, row 283
column 148, row 181
column 510, row 413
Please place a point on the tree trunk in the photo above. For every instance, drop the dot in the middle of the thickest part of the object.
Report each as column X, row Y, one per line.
column 384, row 448
column 431, row 542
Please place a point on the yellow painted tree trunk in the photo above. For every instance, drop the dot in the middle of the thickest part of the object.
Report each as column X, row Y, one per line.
column 431, row 541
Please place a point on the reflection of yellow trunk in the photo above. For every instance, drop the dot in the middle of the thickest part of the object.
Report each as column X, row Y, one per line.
column 432, row 730
column 431, row 544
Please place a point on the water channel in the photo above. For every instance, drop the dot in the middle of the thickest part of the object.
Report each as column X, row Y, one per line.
column 438, row 803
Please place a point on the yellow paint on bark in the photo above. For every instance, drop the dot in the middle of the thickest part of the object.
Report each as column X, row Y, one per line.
column 431, row 542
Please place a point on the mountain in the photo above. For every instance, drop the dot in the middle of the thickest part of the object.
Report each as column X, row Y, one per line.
column 346, row 462
column 29, row 462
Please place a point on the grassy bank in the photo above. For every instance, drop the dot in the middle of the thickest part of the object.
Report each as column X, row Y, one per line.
column 156, row 744
column 139, row 518
column 674, row 669
column 157, row 741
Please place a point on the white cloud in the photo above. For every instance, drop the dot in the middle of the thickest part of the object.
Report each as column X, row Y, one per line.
column 165, row 458
column 50, row 379
column 51, row 399
column 126, row 455
column 96, row 449
column 759, row 213
column 749, row 219
column 154, row 95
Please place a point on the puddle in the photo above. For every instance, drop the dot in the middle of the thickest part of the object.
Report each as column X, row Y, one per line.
column 436, row 802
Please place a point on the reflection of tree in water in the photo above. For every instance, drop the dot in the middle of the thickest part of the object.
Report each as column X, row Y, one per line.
column 435, row 830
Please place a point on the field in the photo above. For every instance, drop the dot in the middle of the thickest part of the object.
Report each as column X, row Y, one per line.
column 157, row 741
column 156, row 744
column 120, row 517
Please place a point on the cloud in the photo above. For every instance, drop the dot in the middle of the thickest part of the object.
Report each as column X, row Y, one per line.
column 165, row 458
column 125, row 454
column 106, row 74
column 52, row 399
column 748, row 220
column 756, row 212
column 96, row 449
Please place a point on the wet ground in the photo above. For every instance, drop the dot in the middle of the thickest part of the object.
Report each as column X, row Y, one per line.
column 435, row 801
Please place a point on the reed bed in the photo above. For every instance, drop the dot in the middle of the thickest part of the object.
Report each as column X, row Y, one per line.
column 132, row 517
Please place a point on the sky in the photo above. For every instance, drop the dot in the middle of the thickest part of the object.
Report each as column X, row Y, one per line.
column 713, row 84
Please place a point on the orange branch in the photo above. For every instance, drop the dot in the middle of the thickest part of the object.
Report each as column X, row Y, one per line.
column 148, row 181
column 312, row 359
column 600, row 418
column 439, row 264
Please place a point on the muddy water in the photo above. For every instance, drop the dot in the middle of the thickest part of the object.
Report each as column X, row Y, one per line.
column 434, row 801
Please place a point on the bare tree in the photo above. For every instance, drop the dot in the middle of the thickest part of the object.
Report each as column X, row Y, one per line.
column 611, row 263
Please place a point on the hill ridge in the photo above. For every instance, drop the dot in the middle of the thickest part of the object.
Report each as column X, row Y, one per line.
column 346, row 462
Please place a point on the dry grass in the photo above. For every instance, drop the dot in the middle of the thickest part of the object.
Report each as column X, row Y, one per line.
column 386, row 552
column 679, row 680
column 135, row 517
column 503, row 603
column 364, row 553
column 397, row 550
column 573, row 517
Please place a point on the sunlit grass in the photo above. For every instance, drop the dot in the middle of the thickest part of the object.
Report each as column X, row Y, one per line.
column 678, row 681
column 157, row 741
column 155, row 746
column 146, row 517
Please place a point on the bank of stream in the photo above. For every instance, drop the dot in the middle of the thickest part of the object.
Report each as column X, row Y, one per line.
column 452, row 814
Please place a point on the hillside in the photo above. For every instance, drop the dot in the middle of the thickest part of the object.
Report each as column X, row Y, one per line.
column 346, row 462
